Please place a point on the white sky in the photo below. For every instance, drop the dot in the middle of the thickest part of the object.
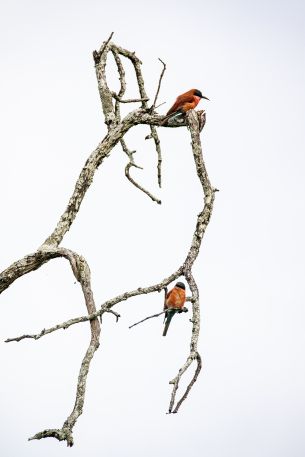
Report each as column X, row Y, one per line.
column 248, row 58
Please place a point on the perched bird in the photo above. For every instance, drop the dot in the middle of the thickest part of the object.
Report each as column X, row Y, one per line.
column 188, row 100
column 174, row 302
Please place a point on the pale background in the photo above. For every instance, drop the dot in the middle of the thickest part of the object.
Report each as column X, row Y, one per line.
column 248, row 58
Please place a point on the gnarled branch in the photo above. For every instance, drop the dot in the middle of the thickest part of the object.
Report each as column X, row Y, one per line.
column 50, row 249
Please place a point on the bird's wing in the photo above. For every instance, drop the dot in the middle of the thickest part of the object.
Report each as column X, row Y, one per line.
column 173, row 299
column 167, row 297
column 165, row 302
column 180, row 101
column 169, row 293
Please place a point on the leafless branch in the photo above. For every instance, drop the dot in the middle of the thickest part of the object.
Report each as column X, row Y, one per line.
column 158, row 106
column 127, row 174
column 156, row 315
column 118, row 98
column 193, row 380
column 131, row 164
column 81, row 272
column 117, row 128
column 146, row 318
column 129, row 100
column 137, row 67
column 117, row 315
column 97, row 55
column 105, row 307
column 159, row 86
column 63, row 325
column 122, row 79
column 154, row 134
column 202, row 222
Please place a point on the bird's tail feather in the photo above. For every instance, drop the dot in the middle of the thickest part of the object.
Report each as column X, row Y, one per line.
column 172, row 116
column 169, row 317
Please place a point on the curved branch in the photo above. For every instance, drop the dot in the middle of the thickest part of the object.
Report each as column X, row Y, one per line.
column 127, row 174
column 34, row 261
column 117, row 128
column 85, row 179
column 146, row 318
column 195, row 125
column 136, row 62
column 154, row 134
column 117, row 111
column 81, row 271
column 28, row 263
column 159, row 86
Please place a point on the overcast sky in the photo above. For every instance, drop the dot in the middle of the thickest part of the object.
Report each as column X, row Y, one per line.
column 248, row 58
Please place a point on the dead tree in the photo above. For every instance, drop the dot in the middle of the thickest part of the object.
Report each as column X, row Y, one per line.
column 52, row 248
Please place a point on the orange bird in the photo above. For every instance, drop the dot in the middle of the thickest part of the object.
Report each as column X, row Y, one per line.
column 174, row 302
column 188, row 100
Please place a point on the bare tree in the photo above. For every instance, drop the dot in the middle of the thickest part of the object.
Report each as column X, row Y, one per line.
column 51, row 248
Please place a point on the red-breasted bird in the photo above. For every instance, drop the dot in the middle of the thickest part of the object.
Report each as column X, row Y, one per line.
column 188, row 100
column 174, row 302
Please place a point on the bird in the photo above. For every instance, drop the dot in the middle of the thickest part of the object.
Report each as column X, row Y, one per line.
column 174, row 302
column 185, row 102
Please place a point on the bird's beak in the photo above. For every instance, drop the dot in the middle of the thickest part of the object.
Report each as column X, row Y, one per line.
column 205, row 97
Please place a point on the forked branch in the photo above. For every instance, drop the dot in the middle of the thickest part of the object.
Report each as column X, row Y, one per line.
column 50, row 249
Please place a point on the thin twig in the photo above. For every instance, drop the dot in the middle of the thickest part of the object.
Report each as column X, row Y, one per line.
column 129, row 100
column 140, row 80
column 146, row 318
column 122, row 79
column 46, row 331
column 117, row 315
column 105, row 44
column 159, row 154
column 158, row 106
column 127, row 174
column 159, row 86
column 119, row 100
column 97, row 54
column 154, row 130
column 133, row 164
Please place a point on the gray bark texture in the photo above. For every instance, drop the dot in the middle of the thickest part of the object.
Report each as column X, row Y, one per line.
column 50, row 249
